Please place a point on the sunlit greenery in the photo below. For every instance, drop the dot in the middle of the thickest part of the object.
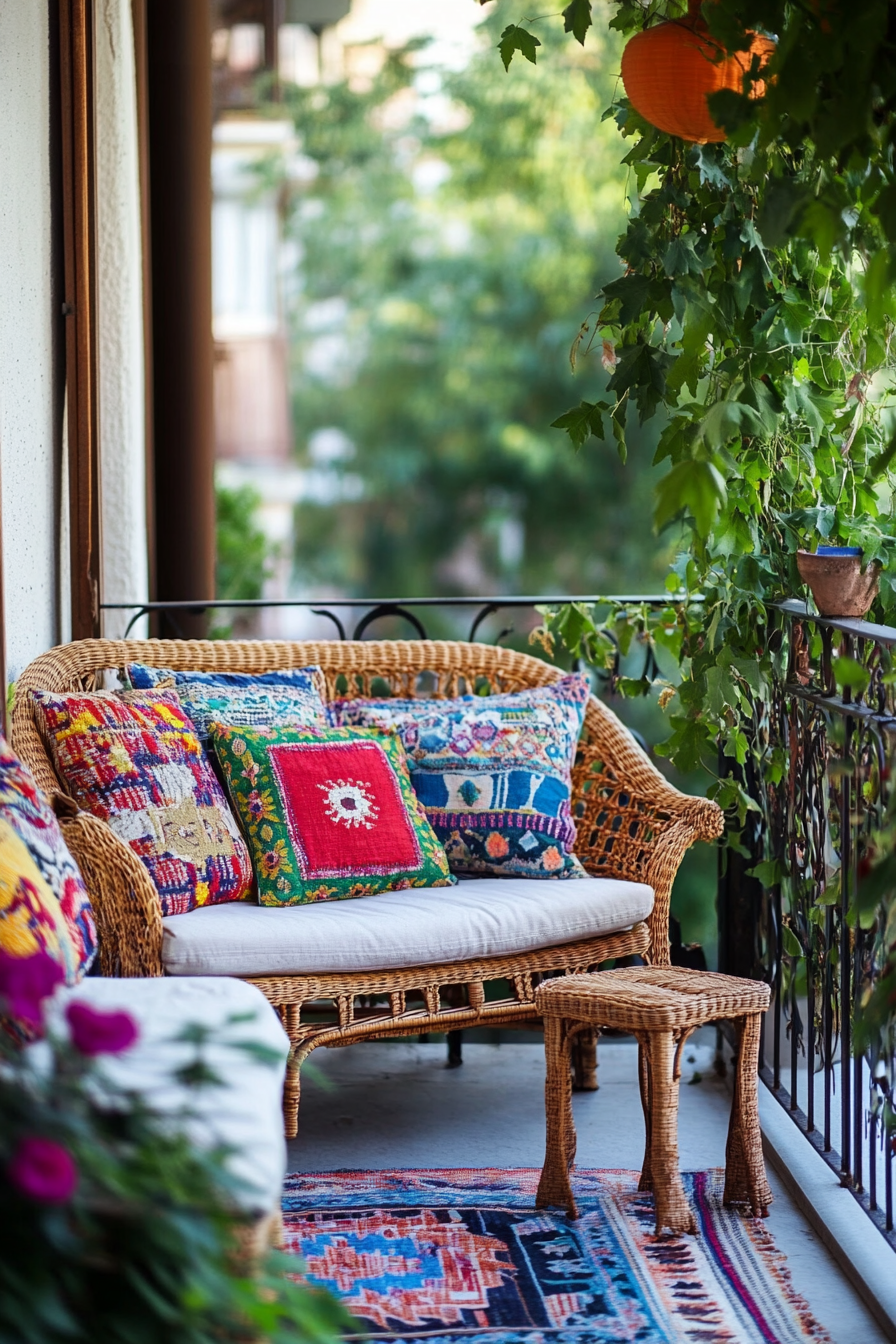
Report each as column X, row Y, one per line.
column 453, row 231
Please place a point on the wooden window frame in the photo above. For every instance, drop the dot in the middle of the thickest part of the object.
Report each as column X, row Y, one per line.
column 78, row 200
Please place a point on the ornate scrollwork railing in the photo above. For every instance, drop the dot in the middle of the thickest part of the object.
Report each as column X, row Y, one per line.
column 826, row 740
column 366, row 612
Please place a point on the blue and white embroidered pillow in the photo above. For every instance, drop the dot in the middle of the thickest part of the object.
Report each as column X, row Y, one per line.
column 293, row 698
column 493, row 773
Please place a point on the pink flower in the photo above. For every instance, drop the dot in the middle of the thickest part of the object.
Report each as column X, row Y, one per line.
column 44, row 1170
column 97, row 1033
column 24, row 984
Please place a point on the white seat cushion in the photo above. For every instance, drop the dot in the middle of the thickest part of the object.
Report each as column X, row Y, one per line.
column 244, row 1113
column 481, row 917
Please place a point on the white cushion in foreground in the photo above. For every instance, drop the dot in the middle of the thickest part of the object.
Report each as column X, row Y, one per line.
column 481, row 917
column 245, row 1112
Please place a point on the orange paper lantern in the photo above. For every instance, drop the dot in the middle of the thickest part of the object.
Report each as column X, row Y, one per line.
column 669, row 71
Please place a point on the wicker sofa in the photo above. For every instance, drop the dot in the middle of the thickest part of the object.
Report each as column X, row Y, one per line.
column 323, row 975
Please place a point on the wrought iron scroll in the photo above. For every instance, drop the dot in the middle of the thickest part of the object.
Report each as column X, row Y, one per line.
column 412, row 610
column 825, row 754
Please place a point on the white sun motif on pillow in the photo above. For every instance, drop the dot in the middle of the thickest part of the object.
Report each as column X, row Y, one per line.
column 349, row 803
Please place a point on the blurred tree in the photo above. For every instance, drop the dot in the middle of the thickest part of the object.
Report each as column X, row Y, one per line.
column 449, row 231
column 243, row 550
column 450, row 228
column 244, row 554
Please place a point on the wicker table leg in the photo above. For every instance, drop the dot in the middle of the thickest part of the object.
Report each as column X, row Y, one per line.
column 646, row 1181
column 745, row 1179
column 560, row 1138
column 672, row 1208
column 292, row 1090
column 584, row 1061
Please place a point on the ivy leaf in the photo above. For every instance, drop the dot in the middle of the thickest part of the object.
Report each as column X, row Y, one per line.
column 642, row 370
column 780, row 210
column 680, row 257
column 878, row 292
column 582, row 421
column 848, row 672
column 697, row 487
column 631, row 291
column 720, row 691
column 577, row 19
column 768, row 872
column 877, row 885
column 726, row 420
column 514, row 38
column 882, row 461
column 792, row 945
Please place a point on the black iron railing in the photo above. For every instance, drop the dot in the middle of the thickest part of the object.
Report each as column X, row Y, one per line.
column 362, row 614
column 792, row 923
column 823, row 787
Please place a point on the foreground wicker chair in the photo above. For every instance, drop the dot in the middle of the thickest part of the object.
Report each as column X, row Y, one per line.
column 632, row 825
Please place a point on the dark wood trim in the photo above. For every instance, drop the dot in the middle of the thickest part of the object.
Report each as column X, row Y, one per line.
column 179, row 70
column 138, row 12
column 79, row 243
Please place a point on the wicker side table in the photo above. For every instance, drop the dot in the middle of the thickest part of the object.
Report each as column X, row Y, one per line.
column 661, row 1006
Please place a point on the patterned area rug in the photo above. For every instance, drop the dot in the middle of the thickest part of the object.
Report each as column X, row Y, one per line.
column 447, row 1256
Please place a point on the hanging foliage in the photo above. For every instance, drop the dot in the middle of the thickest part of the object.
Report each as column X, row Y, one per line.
column 754, row 310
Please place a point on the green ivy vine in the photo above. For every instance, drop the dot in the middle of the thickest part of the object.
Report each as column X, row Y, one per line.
column 754, row 310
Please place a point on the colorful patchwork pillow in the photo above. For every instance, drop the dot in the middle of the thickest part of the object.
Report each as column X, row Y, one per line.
column 294, row 698
column 137, row 764
column 31, row 918
column 33, row 820
column 329, row 815
column 493, row 772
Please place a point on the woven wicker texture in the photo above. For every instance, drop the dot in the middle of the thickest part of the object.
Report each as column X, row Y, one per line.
column 631, row 825
column 661, row 1006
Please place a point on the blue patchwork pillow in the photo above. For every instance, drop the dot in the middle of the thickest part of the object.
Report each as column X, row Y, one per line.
column 293, row 698
column 493, row 773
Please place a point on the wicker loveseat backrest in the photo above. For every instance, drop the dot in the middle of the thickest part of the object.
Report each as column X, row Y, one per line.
column 407, row 668
column 631, row 822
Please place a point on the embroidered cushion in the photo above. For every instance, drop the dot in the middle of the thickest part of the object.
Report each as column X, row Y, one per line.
column 493, row 772
column 31, row 918
column 329, row 815
column 137, row 764
column 31, row 817
column 294, row 697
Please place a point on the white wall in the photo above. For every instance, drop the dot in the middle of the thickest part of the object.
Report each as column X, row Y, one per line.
column 120, row 317
column 29, row 455
column 35, row 534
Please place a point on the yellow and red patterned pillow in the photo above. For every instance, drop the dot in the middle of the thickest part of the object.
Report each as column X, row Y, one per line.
column 31, row 817
column 329, row 814
column 137, row 764
column 31, row 918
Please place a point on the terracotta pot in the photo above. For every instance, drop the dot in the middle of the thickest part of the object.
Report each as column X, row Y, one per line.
column 838, row 584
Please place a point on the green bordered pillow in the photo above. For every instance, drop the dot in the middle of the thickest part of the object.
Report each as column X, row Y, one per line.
column 329, row 814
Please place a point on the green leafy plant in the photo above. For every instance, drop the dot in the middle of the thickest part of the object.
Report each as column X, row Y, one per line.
column 763, row 336
column 113, row 1227
column 754, row 314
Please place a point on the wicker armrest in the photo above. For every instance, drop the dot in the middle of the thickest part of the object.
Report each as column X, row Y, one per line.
column 125, row 901
column 631, row 822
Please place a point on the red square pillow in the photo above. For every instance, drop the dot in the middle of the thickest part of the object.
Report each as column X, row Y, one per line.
column 328, row 814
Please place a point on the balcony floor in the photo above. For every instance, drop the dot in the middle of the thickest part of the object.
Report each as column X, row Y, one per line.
column 394, row 1104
